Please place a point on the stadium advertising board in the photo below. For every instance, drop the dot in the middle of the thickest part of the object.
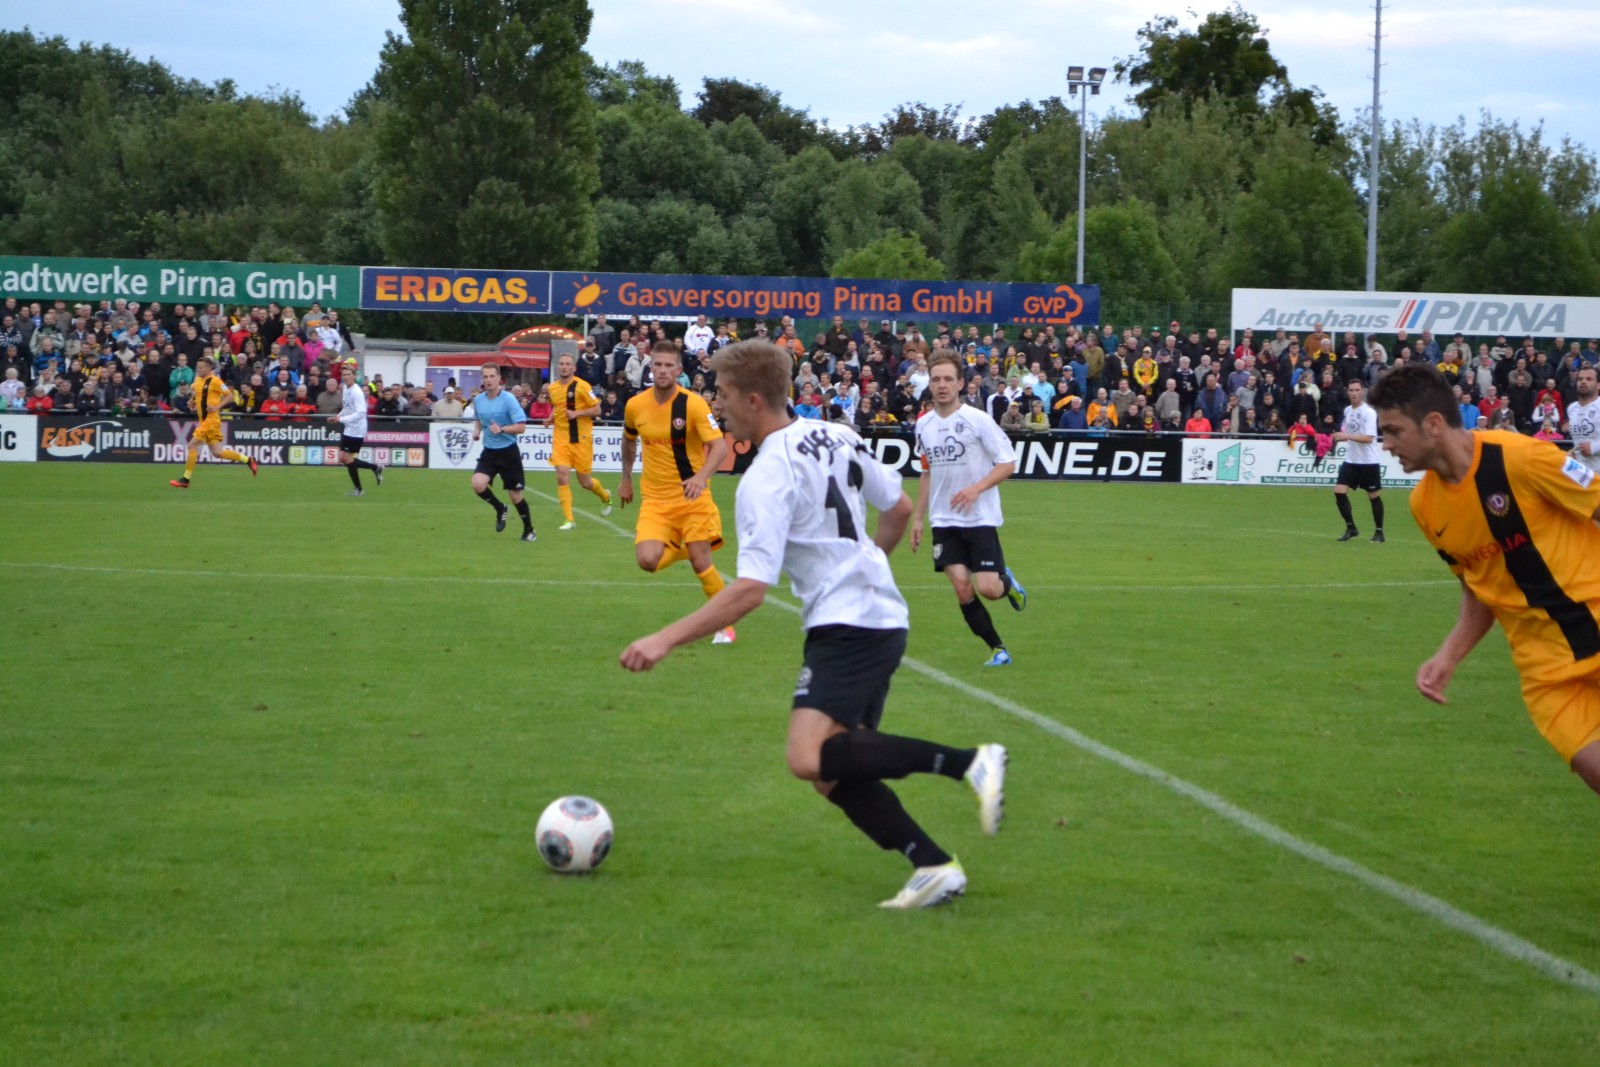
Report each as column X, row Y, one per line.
column 452, row 447
column 1445, row 314
column 19, row 438
column 150, row 439
column 543, row 292
column 1263, row 461
column 1058, row 457
column 721, row 296
column 169, row 281
column 503, row 292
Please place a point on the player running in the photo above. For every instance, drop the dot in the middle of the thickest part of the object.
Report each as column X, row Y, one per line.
column 352, row 418
column 209, row 397
column 1363, row 462
column 499, row 419
column 1514, row 519
column 683, row 447
column 965, row 457
column 802, row 510
column 572, row 411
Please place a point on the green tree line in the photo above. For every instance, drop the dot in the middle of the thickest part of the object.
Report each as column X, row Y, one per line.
column 488, row 137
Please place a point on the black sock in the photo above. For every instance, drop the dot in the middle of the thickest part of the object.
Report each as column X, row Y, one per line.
column 1377, row 512
column 862, row 755
column 527, row 519
column 1343, row 500
column 493, row 501
column 1005, row 583
column 355, row 475
column 877, row 812
column 365, row 464
column 978, row 622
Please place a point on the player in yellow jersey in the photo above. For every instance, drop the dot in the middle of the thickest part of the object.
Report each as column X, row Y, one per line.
column 682, row 447
column 210, row 397
column 1514, row 518
column 572, row 411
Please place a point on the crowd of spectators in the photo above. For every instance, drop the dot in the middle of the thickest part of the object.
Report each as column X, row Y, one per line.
column 123, row 358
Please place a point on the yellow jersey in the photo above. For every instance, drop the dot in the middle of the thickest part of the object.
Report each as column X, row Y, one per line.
column 1519, row 531
column 672, row 437
column 574, row 395
column 208, row 397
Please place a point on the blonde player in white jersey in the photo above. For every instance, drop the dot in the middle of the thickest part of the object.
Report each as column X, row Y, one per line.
column 1363, row 462
column 1583, row 417
column 965, row 457
column 802, row 510
column 352, row 418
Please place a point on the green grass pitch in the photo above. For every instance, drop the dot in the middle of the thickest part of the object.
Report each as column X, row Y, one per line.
column 271, row 758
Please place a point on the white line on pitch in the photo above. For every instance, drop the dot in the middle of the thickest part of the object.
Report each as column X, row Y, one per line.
column 1501, row 941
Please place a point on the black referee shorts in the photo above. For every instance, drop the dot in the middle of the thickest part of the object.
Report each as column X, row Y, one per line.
column 506, row 463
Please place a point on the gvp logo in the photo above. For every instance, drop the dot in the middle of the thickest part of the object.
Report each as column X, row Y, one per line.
column 1064, row 307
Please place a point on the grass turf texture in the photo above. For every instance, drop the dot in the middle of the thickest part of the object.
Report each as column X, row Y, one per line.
column 272, row 758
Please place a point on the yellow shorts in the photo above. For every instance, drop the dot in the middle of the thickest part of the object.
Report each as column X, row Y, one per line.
column 208, row 433
column 680, row 522
column 1566, row 712
column 580, row 456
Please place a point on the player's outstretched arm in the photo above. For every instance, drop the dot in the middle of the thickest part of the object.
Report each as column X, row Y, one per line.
column 736, row 600
column 1472, row 623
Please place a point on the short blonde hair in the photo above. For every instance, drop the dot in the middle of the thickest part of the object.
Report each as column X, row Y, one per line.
column 945, row 355
column 758, row 367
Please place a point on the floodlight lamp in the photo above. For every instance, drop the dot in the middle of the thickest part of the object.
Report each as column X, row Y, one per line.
column 1097, row 75
column 1074, row 74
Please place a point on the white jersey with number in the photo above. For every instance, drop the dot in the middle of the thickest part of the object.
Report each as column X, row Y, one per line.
column 1584, row 422
column 1362, row 420
column 802, row 510
column 958, row 450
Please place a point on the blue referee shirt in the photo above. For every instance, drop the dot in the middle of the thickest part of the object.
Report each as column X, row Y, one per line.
column 501, row 409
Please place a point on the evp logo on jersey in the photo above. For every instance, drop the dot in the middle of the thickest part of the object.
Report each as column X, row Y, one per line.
column 951, row 450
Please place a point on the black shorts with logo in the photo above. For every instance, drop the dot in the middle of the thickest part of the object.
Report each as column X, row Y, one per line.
column 505, row 462
column 976, row 548
column 1368, row 476
column 350, row 444
column 846, row 672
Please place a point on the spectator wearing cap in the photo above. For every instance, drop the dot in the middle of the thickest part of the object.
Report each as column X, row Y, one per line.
column 449, row 405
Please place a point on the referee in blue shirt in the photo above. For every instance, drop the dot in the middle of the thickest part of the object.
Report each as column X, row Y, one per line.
column 499, row 420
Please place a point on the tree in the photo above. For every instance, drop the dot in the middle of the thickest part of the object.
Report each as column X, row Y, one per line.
column 1300, row 227
column 1122, row 253
column 485, row 141
column 725, row 99
column 867, row 201
column 897, row 255
column 1225, row 59
column 1515, row 240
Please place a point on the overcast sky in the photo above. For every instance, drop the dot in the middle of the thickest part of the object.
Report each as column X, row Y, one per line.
column 849, row 62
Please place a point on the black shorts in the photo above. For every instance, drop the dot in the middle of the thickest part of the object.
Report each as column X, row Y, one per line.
column 846, row 673
column 350, row 444
column 976, row 548
column 505, row 462
column 1368, row 476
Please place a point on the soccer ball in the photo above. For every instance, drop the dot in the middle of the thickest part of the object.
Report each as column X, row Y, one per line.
column 574, row 835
